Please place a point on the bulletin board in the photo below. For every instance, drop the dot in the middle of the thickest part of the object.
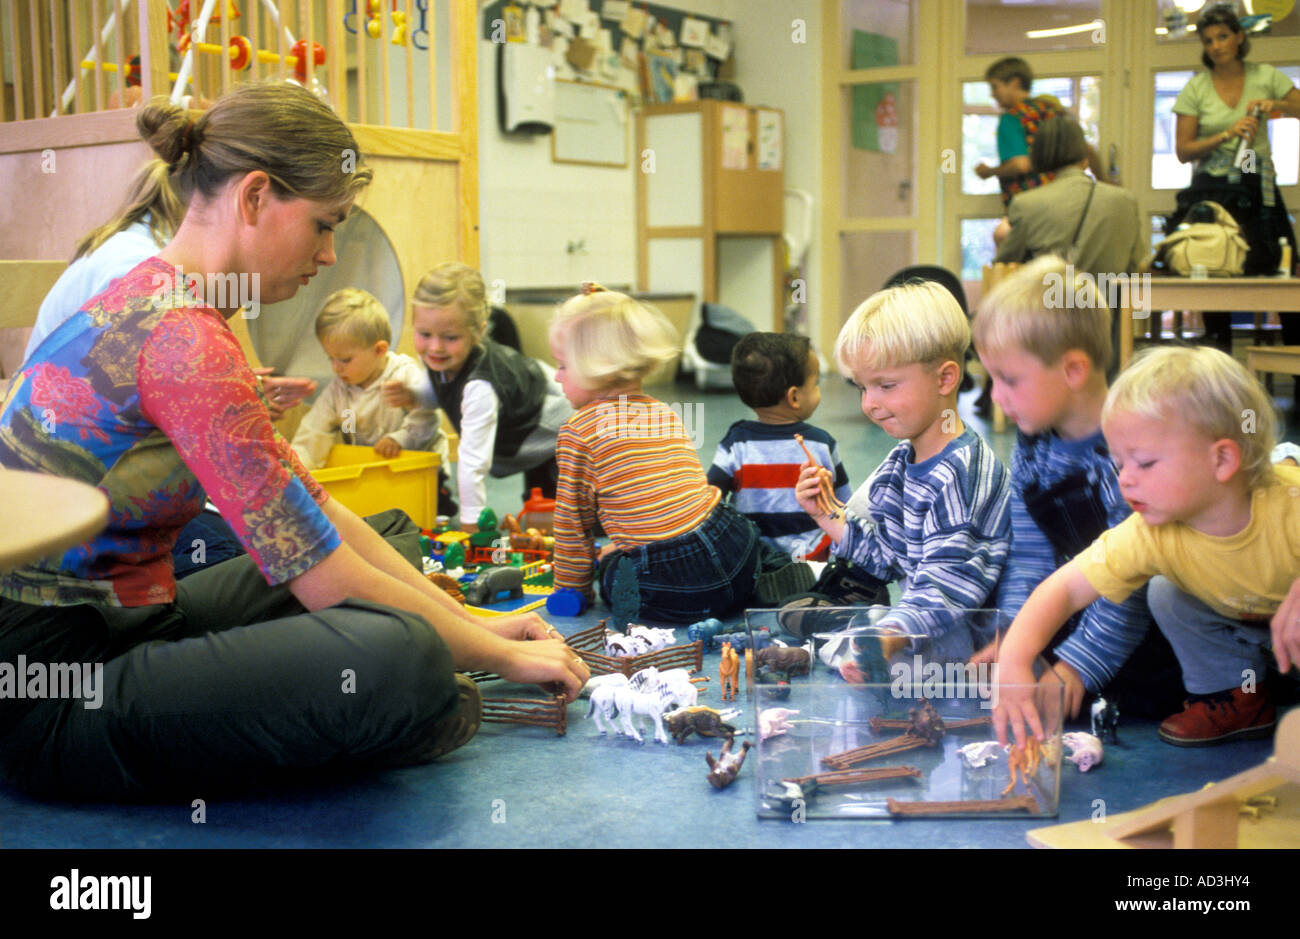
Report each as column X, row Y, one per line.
column 655, row 53
column 590, row 124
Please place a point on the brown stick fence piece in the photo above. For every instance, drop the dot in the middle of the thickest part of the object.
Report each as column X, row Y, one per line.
column 535, row 712
column 852, row 776
column 848, row 758
column 1028, row 803
column 585, row 643
column 877, row 724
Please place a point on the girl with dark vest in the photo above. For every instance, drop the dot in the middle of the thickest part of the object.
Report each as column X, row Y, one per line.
column 505, row 406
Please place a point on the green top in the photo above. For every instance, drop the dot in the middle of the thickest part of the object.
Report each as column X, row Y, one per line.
column 1199, row 99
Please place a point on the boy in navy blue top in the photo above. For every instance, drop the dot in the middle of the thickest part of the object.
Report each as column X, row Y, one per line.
column 1048, row 364
column 933, row 516
column 758, row 462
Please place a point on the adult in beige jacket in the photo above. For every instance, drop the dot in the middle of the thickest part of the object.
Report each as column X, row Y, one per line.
column 1044, row 220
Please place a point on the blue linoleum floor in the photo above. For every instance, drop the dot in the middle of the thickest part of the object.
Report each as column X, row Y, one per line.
column 525, row 787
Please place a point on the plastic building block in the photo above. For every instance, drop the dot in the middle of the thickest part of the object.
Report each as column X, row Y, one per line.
column 566, row 602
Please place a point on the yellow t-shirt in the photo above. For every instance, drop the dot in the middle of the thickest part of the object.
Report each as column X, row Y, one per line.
column 1243, row 576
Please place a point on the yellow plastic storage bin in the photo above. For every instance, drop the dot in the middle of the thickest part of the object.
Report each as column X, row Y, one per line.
column 366, row 484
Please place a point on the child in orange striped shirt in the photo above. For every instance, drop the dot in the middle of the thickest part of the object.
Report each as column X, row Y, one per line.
column 625, row 458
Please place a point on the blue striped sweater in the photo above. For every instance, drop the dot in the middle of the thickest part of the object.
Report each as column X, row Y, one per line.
column 940, row 527
column 1104, row 634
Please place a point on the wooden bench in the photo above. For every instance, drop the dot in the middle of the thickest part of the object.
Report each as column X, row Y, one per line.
column 1283, row 360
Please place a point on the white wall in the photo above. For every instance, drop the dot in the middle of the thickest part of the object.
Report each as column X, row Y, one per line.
column 531, row 208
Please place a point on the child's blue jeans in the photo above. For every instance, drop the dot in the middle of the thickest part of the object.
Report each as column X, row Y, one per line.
column 1215, row 652
column 709, row 571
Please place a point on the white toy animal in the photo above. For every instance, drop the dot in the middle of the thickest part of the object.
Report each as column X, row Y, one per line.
column 774, row 721
column 622, row 700
column 976, row 755
column 613, row 678
column 675, row 683
column 623, row 646
column 1085, row 750
column 656, row 638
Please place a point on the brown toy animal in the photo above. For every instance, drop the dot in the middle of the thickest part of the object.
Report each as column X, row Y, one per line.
column 448, row 585
column 532, row 540
column 704, row 721
column 728, row 671
column 789, row 659
column 723, row 770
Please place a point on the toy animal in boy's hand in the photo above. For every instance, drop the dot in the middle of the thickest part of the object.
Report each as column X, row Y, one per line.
column 704, row 721
column 490, row 584
column 1085, row 750
column 723, row 770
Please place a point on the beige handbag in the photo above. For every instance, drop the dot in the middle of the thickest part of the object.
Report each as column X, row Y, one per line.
column 1216, row 247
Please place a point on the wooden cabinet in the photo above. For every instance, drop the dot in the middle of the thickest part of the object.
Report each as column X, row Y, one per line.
column 710, row 205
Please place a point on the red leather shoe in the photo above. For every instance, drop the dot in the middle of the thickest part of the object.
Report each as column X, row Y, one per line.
column 1209, row 719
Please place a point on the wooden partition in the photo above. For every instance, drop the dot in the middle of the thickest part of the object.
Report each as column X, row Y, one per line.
column 68, row 148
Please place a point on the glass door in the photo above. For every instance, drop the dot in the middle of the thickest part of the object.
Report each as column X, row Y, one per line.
column 1075, row 50
column 879, row 182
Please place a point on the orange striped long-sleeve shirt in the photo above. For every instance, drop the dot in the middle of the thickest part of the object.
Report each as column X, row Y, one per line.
column 630, row 461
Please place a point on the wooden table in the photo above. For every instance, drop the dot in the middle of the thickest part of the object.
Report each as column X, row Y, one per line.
column 1237, row 294
column 45, row 515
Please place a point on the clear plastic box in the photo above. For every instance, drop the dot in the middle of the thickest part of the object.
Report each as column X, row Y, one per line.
column 923, row 703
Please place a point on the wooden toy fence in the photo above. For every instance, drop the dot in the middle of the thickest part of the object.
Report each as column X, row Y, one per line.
column 585, row 643
column 534, row 712
column 68, row 148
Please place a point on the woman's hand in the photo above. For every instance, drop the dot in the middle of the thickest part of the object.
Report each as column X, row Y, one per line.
column 544, row 662
column 1265, row 106
column 521, row 626
column 397, row 395
column 282, row 391
column 1244, row 128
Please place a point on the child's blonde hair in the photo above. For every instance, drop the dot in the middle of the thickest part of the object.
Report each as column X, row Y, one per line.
column 354, row 315
column 914, row 323
column 456, row 284
column 609, row 339
column 1018, row 313
column 1207, row 390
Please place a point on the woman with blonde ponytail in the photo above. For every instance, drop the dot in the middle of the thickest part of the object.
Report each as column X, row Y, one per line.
column 323, row 646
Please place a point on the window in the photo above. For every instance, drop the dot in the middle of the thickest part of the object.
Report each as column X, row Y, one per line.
column 980, row 113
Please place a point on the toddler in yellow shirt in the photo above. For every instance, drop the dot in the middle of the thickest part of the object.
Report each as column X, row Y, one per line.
column 1215, row 529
